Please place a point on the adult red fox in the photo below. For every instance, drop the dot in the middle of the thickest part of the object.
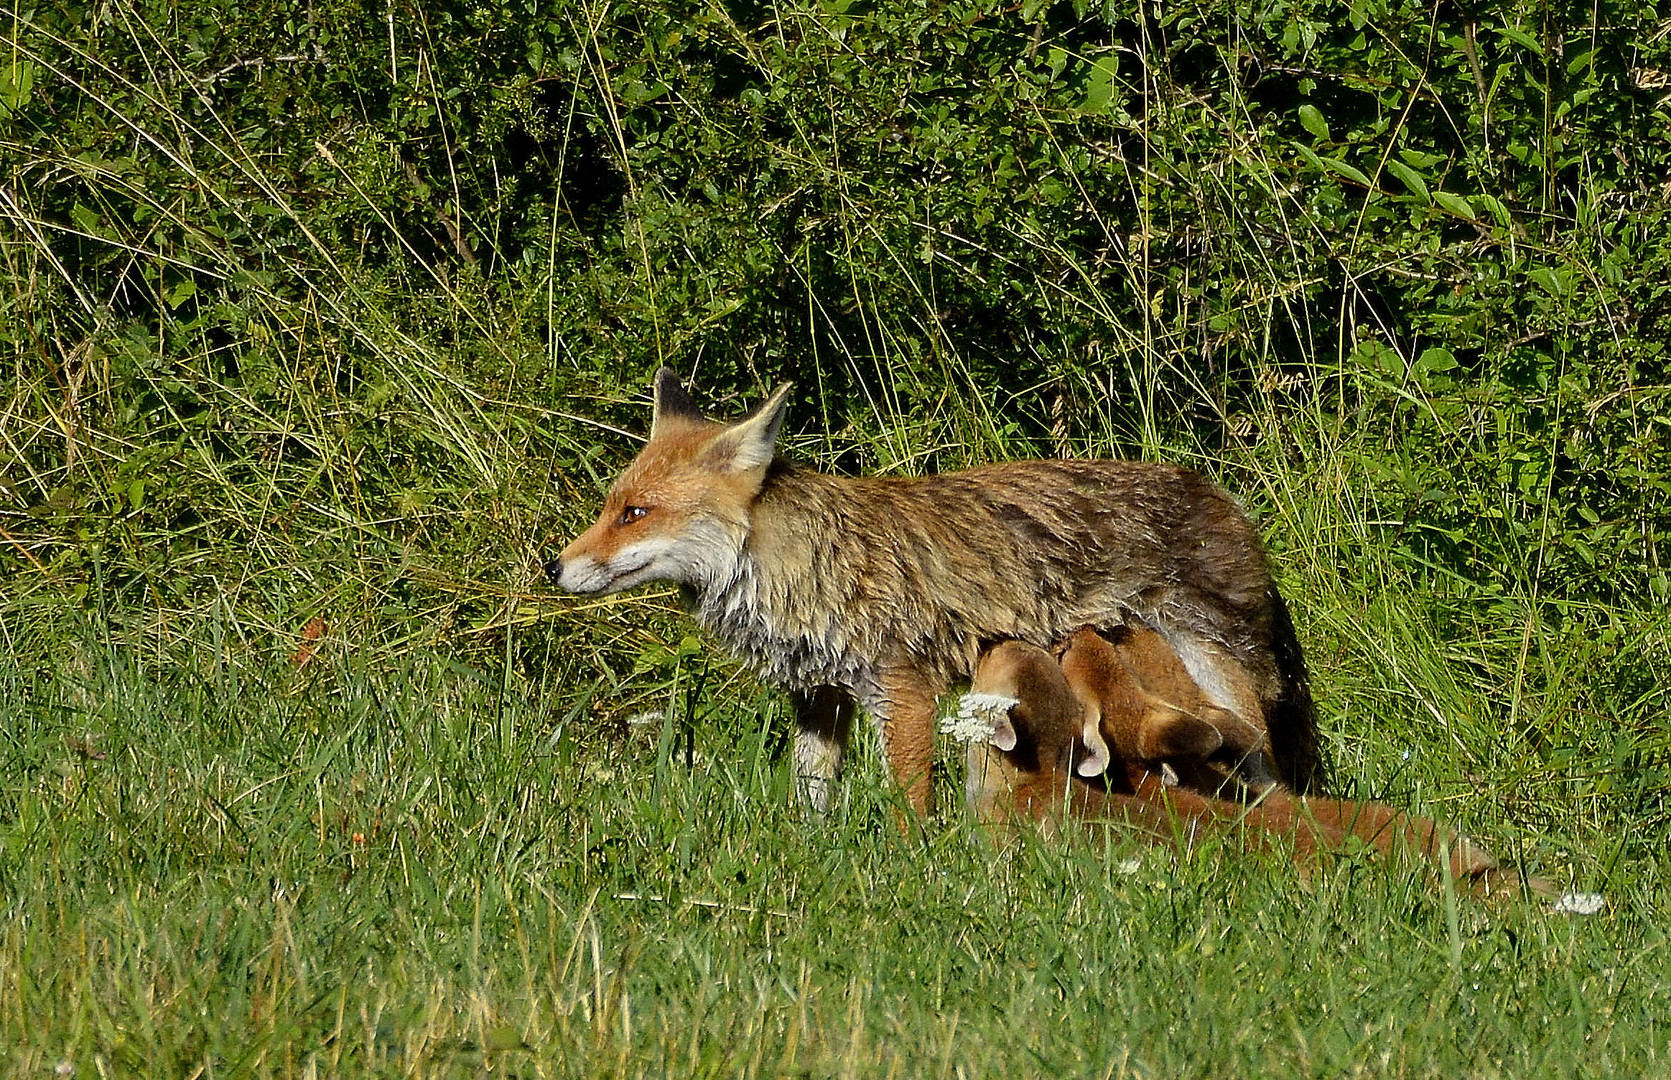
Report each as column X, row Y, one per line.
column 884, row 591
column 1032, row 766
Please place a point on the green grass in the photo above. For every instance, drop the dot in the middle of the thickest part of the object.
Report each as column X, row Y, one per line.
column 231, row 867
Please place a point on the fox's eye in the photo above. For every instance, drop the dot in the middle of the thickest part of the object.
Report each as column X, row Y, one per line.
column 632, row 514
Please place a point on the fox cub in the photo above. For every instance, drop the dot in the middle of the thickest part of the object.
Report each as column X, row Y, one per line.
column 1034, row 765
column 883, row 591
column 1142, row 706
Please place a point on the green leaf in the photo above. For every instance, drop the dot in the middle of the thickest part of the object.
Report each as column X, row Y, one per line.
column 641, row 93
column 1456, row 204
column 1410, row 178
column 1418, row 160
column 1057, row 58
column 1339, row 167
column 86, row 220
column 183, row 290
column 1496, row 209
column 1312, row 120
column 1521, row 38
column 1435, row 359
column 1550, row 281
column 1099, row 84
column 1373, row 357
column 15, row 83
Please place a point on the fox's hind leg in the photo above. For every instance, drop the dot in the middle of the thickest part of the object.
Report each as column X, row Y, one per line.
column 823, row 720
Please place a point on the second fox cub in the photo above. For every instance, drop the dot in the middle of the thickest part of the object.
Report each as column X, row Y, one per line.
column 884, row 591
column 1141, row 705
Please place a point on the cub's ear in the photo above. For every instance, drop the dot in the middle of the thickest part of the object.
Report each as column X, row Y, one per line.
column 1003, row 730
column 750, row 444
column 1239, row 738
column 671, row 402
column 1168, row 733
column 1097, row 755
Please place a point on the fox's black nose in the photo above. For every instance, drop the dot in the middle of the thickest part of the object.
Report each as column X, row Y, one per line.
column 554, row 571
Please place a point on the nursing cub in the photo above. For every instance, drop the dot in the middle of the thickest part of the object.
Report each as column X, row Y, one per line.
column 1113, row 728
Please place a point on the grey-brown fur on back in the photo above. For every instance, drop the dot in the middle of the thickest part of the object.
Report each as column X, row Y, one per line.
column 839, row 575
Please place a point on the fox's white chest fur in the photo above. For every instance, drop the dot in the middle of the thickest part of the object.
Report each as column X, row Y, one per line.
column 790, row 646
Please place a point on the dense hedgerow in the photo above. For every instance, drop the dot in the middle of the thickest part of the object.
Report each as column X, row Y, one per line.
column 1431, row 244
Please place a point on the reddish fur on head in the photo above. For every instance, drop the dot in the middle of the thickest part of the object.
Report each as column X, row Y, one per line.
column 680, row 511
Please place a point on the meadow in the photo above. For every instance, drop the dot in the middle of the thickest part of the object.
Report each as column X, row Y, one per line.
column 323, row 326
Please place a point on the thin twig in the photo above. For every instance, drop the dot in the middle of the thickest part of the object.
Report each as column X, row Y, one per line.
column 447, row 222
column 316, row 57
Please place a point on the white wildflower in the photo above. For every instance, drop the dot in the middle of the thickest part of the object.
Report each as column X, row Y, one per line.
column 976, row 716
column 1579, row 903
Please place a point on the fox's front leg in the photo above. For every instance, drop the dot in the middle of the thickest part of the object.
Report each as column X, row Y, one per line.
column 907, row 725
column 823, row 720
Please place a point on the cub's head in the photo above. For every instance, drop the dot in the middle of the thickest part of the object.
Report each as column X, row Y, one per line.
column 1021, row 720
column 1042, row 718
column 679, row 513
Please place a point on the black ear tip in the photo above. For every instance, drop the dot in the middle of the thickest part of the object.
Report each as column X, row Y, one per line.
column 554, row 571
column 666, row 386
column 671, row 397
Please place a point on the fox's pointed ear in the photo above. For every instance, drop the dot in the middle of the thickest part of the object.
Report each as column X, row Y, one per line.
column 1171, row 733
column 672, row 402
column 1237, row 737
column 751, row 444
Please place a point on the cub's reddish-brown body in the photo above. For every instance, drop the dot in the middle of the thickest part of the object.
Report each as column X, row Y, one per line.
column 1110, row 686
